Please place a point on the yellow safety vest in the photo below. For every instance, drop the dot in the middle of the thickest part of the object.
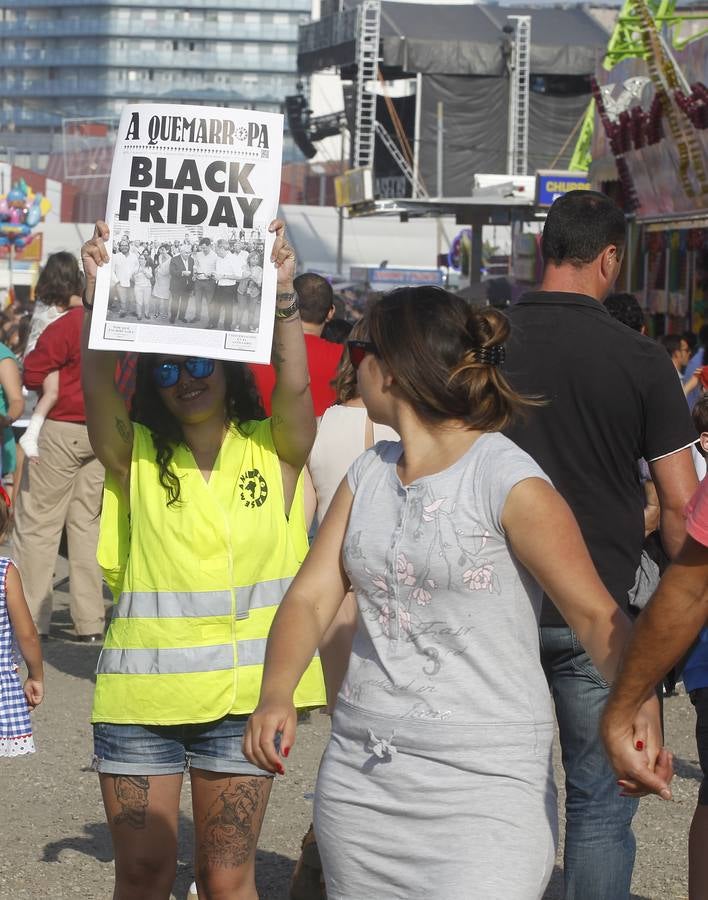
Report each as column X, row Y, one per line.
column 196, row 584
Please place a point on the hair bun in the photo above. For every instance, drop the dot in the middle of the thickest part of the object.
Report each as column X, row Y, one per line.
column 487, row 328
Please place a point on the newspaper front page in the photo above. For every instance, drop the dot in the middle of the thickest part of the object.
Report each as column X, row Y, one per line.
column 192, row 192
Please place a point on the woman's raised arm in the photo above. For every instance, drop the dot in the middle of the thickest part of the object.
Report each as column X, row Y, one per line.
column 109, row 426
column 293, row 419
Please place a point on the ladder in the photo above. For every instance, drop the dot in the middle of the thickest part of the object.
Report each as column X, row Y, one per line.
column 519, row 87
column 367, row 65
column 400, row 160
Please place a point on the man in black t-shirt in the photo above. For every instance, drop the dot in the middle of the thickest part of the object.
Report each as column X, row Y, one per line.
column 613, row 397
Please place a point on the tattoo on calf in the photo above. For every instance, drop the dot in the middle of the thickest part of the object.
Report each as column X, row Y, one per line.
column 132, row 795
column 233, row 823
column 123, row 430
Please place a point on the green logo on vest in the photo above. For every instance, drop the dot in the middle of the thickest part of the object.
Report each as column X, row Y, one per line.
column 254, row 489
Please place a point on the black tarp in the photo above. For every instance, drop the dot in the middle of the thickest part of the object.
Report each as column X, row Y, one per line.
column 458, row 40
column 461, row 53
column 475, row 123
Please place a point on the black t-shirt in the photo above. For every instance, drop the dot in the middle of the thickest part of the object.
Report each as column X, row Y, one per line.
column 614, row 397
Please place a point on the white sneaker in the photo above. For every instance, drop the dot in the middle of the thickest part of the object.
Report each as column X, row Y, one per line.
column 192, row 892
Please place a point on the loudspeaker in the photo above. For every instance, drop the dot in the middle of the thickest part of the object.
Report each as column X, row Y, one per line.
column 297, row 115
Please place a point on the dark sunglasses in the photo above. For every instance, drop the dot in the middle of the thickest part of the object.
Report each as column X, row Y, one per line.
column 167, row 373
column 358, row 350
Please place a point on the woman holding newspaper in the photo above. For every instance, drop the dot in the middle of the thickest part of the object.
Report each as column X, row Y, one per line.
column 202, row 530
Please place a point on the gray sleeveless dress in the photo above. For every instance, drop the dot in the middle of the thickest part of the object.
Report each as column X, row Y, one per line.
column 437, row 780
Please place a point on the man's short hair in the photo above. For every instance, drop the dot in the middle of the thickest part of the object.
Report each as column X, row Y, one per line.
column 316, row 297
column 205, row 242
column 671, row 343
column 626, row 309
column 579, row 226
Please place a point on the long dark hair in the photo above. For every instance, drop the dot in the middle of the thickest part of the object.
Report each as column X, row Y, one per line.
column 243, row 404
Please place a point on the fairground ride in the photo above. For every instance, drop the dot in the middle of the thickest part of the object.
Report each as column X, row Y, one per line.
column 649, row 30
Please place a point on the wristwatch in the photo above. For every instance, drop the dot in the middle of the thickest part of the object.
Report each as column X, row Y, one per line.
column 285, row 312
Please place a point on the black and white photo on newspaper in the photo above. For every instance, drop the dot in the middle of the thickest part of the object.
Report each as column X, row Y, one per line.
column 192, row 192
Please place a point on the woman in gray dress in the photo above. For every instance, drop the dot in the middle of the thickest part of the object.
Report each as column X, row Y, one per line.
column 437, row 779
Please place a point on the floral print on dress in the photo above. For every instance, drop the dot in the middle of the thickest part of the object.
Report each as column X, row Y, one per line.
column 404, row 570
column 479, row 579
column 422, row 595
column 385, row 616
column 399, row 606
column 437, row 589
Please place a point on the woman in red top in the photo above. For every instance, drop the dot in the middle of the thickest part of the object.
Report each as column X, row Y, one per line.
column 63, row 487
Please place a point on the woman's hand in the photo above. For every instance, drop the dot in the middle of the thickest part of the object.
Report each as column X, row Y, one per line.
column 93, row 255
column 282, row 256
column 635, row 751
column 269, row 719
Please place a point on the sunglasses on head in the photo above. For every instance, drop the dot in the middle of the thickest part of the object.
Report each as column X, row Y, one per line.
column 167, row 374
column 358, row 350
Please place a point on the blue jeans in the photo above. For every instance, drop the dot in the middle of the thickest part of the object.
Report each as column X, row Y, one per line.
column 599, row 843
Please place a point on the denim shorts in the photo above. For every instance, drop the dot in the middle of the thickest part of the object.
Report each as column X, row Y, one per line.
column 172, row 749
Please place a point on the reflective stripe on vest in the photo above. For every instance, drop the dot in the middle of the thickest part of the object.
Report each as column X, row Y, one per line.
column 172, row 604
column 181, row 660
column 199, row 604
column 165, row 661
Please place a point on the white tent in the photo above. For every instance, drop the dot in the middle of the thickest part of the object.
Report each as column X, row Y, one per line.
column 367, row 241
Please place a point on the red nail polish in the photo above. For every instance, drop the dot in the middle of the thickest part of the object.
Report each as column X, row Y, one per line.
column 281, row 770
column 286, row 750
column 640, row 745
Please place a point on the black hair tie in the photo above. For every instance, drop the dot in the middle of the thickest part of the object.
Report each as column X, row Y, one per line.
column 490, row 356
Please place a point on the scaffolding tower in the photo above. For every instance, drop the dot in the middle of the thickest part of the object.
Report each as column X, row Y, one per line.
column 519, row 87
column 367, row 59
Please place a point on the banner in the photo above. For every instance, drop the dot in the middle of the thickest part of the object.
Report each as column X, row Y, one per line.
column 192, row 192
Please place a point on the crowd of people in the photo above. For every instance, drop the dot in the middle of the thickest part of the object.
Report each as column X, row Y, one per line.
column 193, row 280
column 439, row 532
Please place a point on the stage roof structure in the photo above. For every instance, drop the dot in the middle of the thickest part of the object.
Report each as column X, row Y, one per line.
column 456, row 39
column 484, row 100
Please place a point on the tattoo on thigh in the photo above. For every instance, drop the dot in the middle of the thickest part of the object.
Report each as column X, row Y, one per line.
column 233, row 822
column 132, row 794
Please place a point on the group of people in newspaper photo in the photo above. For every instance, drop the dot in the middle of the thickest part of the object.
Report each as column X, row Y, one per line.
column 191, row 280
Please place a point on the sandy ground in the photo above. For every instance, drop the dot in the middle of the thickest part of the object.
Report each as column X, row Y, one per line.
column 54, row 841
